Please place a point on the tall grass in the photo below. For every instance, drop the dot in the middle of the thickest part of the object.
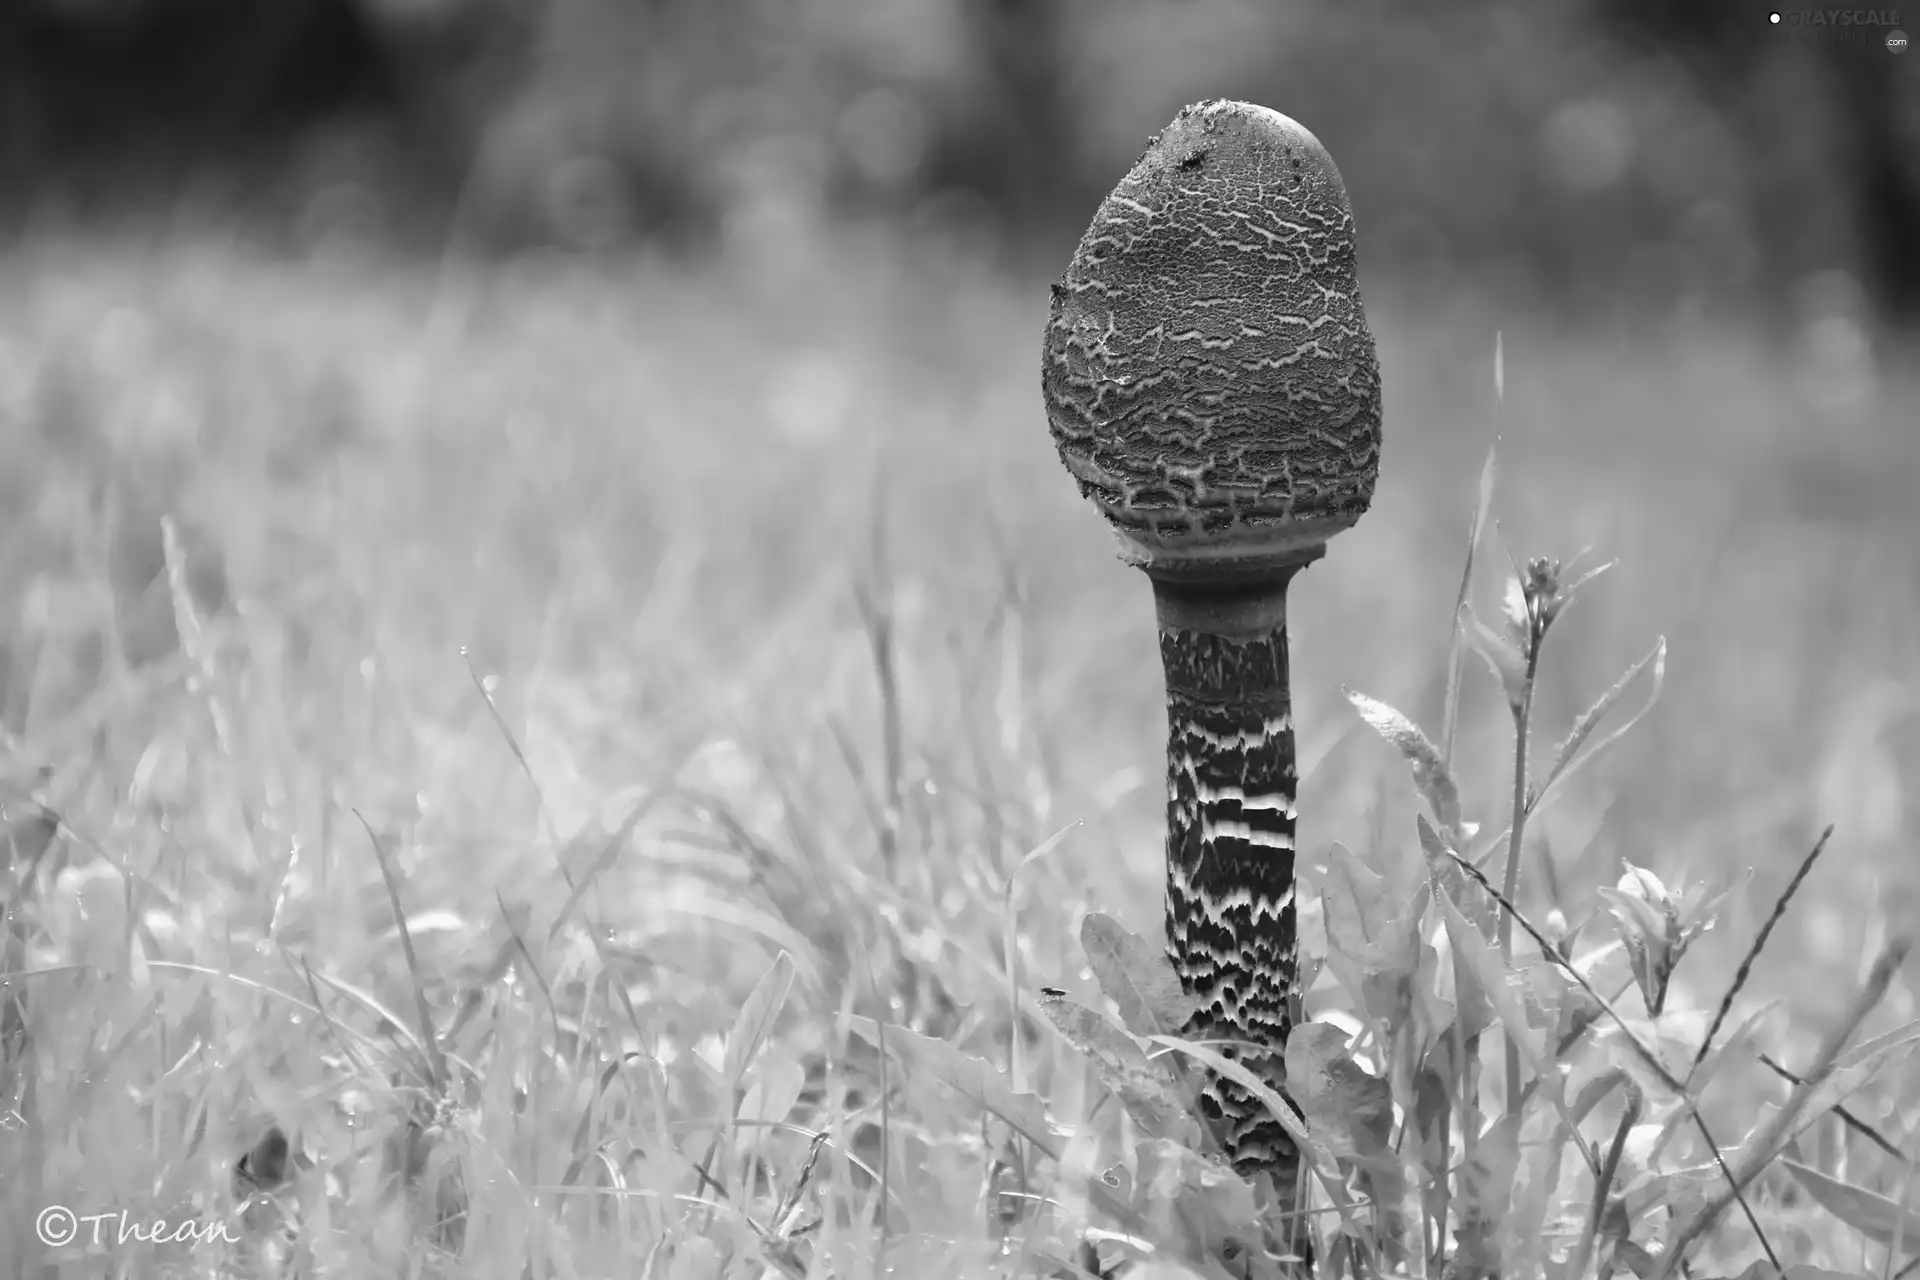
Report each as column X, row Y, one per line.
column 484, row 727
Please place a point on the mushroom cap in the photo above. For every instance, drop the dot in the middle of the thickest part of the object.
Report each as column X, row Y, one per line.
column 1208, row 373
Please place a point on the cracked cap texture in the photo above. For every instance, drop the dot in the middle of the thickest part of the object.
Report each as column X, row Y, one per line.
column 1209, row 376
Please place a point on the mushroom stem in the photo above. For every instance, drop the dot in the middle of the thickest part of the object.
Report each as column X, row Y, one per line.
column 1230, row 919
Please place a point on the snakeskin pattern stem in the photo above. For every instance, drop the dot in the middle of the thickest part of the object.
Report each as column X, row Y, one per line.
column 1231, row 927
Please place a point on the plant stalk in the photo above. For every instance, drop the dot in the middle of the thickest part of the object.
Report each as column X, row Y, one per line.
column 1510, row 882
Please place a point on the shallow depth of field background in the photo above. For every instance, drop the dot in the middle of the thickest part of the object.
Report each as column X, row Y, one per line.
column 636, row 357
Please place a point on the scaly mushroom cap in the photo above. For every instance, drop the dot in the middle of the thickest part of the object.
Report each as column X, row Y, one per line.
column 1209, row 376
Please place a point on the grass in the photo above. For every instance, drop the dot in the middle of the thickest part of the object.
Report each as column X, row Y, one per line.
column 624, row 630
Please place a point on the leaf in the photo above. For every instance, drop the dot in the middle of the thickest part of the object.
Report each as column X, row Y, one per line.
column 1564, row 763
column 1508, row 665
column 775, row 1089
column 1485, row 1192
column 1451, row 880
column 1594, row 1091
column 754, row 1023
column 1516, row 611
column 1169, row 1172
column 1348, row 1110
column 1474, row 1010
column 1431, row 776
column 1373, row 938
column 1276, row 1107
column 694, row 1258
column 1500, row 985
column 1867, row 1212
column 1137, row 977
column 1433, row 1100
column 1850, row 1071
column 1635, row 1259
column 1197, row 1205
column 972, row 1078
column 1652, row 1049
column 1567, row 589
column 1735, row 1047
column 1853, row 1069
column 1351, row 1113
column 1538, row 1181
column 1146, row 1087
column 1764, row 1270
column 1700, row 907
column 1645, row 885
column 1643, row 931
column 1433, row 1092
column 1259, row 1089
column 1358, row 905
column 1636, row 914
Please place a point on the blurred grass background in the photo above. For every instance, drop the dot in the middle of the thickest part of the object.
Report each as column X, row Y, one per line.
column 627, row 348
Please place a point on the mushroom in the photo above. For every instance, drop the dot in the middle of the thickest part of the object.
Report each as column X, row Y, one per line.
column 1211, row 383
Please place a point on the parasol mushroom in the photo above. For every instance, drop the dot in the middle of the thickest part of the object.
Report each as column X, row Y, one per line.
column 1211, row 383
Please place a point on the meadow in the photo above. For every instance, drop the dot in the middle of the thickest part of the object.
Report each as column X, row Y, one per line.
column 625, row 626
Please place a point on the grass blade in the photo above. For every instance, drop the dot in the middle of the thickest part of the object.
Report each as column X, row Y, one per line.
column 753, row 1026
column 1745, row 970
column 1867, row 1212
column 1456, row 650
column 429, row 1038
column 1822, row 1089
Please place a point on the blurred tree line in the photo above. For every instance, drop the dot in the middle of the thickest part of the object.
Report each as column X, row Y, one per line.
column 1636, row 153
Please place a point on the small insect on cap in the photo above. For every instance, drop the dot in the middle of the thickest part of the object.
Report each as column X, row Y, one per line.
column 1209, row 376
